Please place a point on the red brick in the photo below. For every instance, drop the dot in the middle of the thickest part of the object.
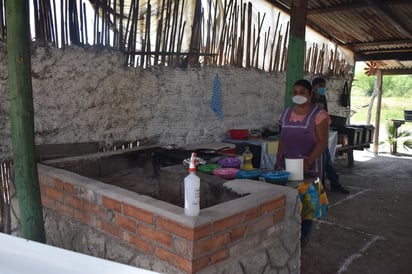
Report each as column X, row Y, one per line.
column 54, row 194
column 229, row 222
column 281, row 201
column 47, row 202
column 209, row 245
column 125, row 223
column 237, row 233
column 111, row 229
column 252, row 213
column 95, row 210
column 58, row 184
column 273, row 204
column 68, row 187
column 73, row 201
column 219, row 256
column 200, row 263
column 182, row 263
column 155, row 235
column 112, row 204
column 184, row 231
column 279, row 215
column 138, row 214
column 67, row 210
column 141, row 244
column 174, row 259
column 84, row 217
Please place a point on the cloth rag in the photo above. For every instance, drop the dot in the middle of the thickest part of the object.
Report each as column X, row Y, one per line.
column 216, row 100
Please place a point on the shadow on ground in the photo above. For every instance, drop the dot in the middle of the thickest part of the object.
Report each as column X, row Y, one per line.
column 369, row 230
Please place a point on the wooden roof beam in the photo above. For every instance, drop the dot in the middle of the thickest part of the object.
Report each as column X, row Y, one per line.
column 403, row 56
column 378, row 43
column 396, row 71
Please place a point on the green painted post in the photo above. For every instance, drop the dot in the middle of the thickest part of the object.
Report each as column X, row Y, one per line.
column 296, row 47
column 22, row 120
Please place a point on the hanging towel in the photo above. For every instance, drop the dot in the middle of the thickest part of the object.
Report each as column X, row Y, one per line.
column 216, row 100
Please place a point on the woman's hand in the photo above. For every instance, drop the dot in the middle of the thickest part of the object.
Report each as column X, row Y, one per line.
column 307, row 162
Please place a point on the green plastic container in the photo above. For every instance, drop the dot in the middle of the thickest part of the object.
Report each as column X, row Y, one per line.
column 208, row 168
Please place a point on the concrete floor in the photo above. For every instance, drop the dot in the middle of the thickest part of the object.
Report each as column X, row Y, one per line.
column 369, row 230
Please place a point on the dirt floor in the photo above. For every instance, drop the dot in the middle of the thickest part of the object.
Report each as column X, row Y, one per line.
column 369, row 230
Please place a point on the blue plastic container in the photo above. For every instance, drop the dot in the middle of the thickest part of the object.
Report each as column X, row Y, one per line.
column 276, row 177
column 253, row 174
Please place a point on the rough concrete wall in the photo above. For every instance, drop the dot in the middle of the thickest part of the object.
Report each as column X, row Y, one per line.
column 87, row 95
column 83, row 95
column 334, row 87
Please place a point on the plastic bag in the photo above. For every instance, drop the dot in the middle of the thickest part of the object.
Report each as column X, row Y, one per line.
column 313, row 199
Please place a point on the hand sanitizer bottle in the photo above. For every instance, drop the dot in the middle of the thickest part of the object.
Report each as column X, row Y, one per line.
column 192, row 189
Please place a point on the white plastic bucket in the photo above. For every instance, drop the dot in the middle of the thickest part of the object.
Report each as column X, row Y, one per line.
column 295, row 167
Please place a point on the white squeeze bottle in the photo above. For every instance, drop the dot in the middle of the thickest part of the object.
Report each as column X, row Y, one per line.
column 192, row 189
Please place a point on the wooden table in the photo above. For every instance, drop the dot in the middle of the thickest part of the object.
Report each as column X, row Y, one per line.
column 349, row 151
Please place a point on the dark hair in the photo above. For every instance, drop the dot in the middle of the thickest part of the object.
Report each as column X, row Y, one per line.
column 304, row 83
column 318, row 80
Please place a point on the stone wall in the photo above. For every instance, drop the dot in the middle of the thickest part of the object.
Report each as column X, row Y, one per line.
column 87, row 95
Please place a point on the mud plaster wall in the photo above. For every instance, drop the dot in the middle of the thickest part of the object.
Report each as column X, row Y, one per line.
column 88, row 95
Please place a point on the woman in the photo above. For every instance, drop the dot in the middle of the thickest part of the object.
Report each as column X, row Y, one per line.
column 304, row 131
column 319, row 99
column 304, row 134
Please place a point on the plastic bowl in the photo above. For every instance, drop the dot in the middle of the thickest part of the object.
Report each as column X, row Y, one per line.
column 239, row 134
column 230, row 162
column 276, row 177
column 226, row 173
column 249, row 174
column 208, row 168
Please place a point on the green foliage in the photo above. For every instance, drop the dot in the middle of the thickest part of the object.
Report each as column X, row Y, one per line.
column 363, row 84
column 407, row 144
column 397, row 86
column 400, row 138
column 392, row 85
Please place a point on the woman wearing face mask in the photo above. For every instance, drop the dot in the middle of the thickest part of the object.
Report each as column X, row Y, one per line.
column 304, row 131
column 319, row 93
column 319, row 99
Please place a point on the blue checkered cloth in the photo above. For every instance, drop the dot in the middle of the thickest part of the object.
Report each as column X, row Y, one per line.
column 216, row 100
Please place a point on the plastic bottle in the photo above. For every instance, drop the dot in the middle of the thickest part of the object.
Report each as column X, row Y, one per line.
column 192, row 189
column 247, row 159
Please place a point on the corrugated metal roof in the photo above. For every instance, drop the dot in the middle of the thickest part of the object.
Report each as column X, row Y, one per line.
column 374, row 30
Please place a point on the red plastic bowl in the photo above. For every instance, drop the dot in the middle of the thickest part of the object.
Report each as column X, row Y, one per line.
column 239, row 134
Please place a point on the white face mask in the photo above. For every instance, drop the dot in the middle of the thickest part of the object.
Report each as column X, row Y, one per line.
column 299, row 99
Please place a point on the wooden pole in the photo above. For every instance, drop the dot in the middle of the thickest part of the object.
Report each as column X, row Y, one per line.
column 22, row 120
column 296, row 46
column 249, row 34
column 378, row 111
